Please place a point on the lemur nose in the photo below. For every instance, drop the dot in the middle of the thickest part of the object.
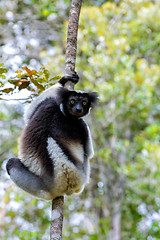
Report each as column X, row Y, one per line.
column 79, row 109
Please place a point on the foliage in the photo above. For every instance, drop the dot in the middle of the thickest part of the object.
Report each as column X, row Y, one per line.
column 118, row 56
column 118, row 52
column 28, row 217
column 32, row 80
column 3, row 70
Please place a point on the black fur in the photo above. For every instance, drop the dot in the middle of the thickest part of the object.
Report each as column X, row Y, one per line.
column 58, row 119
column 49, row 121
column 28, row 178
column 65, row 95
column 13, row 162
column 93, row 98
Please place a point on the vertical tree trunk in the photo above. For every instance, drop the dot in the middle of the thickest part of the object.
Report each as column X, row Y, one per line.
column 115, row 190
column 71, row 50
column 114, row 233
column 115, row 196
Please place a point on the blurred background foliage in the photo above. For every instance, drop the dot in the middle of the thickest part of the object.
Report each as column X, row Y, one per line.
column 118, row 56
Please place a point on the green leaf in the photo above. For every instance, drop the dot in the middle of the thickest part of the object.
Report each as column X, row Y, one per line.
column 7, row 90
column 55, row 78
column 2, row 76
column 46, row 73
column 3, row 70
column 24, row 85
column 37, row 84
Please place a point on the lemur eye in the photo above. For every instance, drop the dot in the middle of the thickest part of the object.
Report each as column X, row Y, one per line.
column 84, row 103
column 72, row 102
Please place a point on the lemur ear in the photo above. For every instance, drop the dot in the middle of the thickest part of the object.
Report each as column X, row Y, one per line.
column 93, row 97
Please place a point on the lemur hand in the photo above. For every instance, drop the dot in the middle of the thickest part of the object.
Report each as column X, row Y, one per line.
column 74, row 78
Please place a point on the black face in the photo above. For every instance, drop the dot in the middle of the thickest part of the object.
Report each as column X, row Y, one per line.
column 77, row 105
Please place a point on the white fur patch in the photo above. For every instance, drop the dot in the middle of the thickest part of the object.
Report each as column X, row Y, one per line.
column 79, row 91
column 31, row 162
column 68, row 178
column 61, row 108
column 77, row 150
column 29, row 159
column 51, row 92
column 90, row 149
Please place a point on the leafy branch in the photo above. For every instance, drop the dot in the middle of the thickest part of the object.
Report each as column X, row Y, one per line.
column 32, row 80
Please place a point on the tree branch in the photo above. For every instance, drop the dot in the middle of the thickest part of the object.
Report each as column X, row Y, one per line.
column 71, row 50
column 57, row 218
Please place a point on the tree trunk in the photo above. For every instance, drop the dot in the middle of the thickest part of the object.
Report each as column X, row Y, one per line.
column 115, row 193
column 115, row 190
column 71, row 50
column 115, row 217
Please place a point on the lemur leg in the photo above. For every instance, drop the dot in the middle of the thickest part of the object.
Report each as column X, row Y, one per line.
column 27, row 180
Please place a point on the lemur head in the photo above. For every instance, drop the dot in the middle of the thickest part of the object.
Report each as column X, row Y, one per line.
column 76, row 103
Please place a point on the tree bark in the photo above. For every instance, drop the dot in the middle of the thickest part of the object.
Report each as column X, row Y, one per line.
column 71, row 50
column 57, row 218
column 115, row 205
column 116, row 184
column 114, row 233
column 115, row 191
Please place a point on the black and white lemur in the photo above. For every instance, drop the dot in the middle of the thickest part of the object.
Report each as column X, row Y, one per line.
column 56, row 145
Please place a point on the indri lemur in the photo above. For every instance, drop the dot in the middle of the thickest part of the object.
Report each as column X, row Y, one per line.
column 55, row 146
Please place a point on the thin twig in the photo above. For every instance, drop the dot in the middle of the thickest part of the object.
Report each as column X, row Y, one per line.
column 16, row 99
